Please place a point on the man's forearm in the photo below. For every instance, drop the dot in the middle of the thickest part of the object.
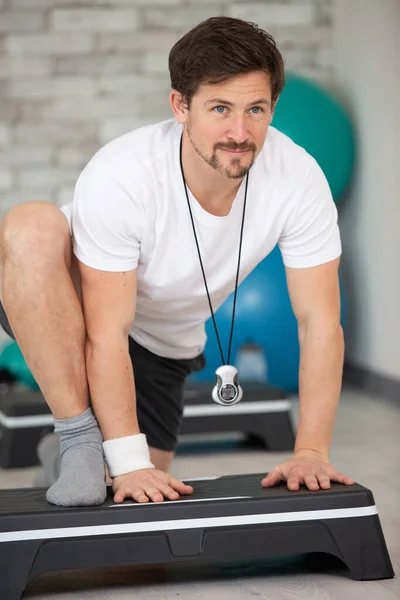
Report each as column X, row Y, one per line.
column 320, row 380
column 112, row 390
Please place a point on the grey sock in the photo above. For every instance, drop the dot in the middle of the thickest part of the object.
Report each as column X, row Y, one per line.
column 49, row 455
column 82, row 481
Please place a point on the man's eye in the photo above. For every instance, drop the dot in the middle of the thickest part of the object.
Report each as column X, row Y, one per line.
column 218, row 107
column 258, row 109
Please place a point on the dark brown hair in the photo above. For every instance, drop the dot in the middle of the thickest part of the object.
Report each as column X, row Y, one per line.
column 222, row 47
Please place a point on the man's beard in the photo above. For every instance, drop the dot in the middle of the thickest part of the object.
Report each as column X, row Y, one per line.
column 234, row 170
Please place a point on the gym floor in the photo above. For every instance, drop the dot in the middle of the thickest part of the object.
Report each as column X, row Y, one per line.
column 365, row 447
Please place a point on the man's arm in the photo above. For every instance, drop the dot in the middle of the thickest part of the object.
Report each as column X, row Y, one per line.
column 315, row 298
column 109, row 304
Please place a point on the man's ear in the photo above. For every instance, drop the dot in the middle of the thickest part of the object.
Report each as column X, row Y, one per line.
column 179, row 106
column 274, row 105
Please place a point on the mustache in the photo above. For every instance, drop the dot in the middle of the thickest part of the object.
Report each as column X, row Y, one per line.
column 238, row 147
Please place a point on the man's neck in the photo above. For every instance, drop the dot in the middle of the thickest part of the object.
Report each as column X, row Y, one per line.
column 212, row 191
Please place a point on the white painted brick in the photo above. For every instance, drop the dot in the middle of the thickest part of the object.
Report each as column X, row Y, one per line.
column 56, row 131
column 15, row 22
column 6, row 179
column 8, row 111
column 125, row 106
column 316, row 2
column 96, row 78
column 324, row 14
column 323, row 57
column 321, row 76
column 64, row 195
column 155, row 62
column 140, row 40
column 50, row 44
column 210, row 3
column 76, row 157
column 134, row 84
column 140, row 2
column 36, row 109
column 99, row 108
column 184, row 17
column 5, row 134
column 274, row 14
column 147, row 106
column 94, row 19
column 66, row 108
column 25, row 155
column 296, row 58
column 45, row 88
column 38, row 178
column 42, row 4
column 6, row 203
column 98, row 65
column 17, row 195
column 18, row 66
column 113, row 128
column 303, row 35
column 33, row 5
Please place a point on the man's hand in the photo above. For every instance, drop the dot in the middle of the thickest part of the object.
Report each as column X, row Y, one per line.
column 313, row 470
column 148, row 484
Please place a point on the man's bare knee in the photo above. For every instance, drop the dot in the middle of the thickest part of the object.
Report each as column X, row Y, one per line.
column 35, row 230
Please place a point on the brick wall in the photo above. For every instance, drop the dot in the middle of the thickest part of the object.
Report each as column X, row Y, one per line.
column 76, row 73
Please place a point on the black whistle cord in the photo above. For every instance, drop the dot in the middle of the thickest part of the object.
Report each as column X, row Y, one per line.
column 202, row 267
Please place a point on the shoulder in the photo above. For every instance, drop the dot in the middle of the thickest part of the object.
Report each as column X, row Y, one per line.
column 284, row 160
column 138, row 153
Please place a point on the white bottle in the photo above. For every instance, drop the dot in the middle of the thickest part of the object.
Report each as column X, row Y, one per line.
column 251, row 362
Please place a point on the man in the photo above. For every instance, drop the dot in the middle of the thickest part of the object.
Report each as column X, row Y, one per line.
column 108, row 305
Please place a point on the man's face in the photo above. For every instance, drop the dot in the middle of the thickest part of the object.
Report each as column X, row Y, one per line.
column 227, row 122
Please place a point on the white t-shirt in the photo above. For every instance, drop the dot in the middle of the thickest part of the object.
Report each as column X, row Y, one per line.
column 130, row 211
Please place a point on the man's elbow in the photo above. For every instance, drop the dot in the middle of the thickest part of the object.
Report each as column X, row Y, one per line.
column 327, row 329
column 106, row 340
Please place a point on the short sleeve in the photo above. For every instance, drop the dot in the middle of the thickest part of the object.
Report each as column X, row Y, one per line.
column 107, row 222
column 311, row 234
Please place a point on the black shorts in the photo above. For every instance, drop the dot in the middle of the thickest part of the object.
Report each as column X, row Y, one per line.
column 159, row 384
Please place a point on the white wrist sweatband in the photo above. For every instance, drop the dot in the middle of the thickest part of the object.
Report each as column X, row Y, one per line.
column 127, row 454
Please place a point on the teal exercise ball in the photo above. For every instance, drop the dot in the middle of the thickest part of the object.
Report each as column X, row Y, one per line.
column 315, row 120
column 265, row 343
column 11, row 358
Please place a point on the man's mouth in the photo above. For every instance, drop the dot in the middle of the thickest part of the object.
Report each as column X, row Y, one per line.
column 235, row 151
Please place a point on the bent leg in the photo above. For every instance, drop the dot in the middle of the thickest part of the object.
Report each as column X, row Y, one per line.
column 41, row 300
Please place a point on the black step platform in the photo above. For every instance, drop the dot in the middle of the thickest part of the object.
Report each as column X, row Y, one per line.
column 264, row 414
column 24, row 419
column 226, row 518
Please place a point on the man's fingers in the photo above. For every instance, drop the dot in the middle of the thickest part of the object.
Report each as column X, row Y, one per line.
column 324, row 480
column 179, row 486
column 314, row 474
column 169, row 493
column 310, row 481
column 119, row 496
column 138, row 494
column 148, row 484
column 340, row 478
column 274, row 477
column 293, row 482
column 154, row 494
